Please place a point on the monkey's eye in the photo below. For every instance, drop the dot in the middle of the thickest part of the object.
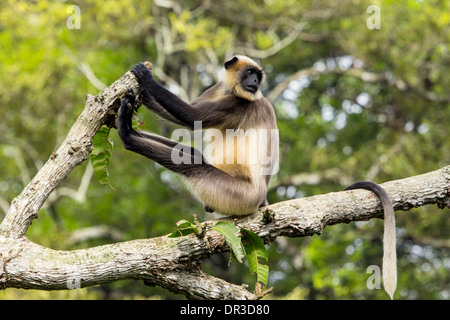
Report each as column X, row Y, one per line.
column 250, row 71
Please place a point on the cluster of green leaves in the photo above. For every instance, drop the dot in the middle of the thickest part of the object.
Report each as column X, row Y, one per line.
column 248, row 245
column 101, row 154
column 102, row 151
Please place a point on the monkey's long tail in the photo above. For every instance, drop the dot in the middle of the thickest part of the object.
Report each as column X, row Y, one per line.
column 389, row 238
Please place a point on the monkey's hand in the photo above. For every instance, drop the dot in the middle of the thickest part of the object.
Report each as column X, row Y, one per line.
column 143, row 74
column 146, row 80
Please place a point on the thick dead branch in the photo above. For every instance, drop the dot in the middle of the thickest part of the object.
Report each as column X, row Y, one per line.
column 174, row 264
column 169, row 263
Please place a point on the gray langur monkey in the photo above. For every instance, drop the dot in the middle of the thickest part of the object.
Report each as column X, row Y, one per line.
column 239, row 186
column 233, row 179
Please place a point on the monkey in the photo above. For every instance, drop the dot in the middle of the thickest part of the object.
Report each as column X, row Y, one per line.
column 239, row 126
column 232, row 188
column 389, row 266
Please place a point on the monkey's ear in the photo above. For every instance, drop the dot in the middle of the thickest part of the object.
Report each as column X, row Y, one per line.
column 230, row 63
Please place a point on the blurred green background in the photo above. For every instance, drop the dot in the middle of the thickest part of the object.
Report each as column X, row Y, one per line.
column 353, row 103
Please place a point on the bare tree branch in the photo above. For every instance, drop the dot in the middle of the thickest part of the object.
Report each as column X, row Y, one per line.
column 359, row 73
column 173, row 263
column 277, row 46
column 95, row 232
column 278, row 90
column 79, row 194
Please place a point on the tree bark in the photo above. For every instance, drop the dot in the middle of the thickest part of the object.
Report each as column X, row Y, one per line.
column 173, row 263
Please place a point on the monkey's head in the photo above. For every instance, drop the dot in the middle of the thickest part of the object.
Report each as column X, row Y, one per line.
column 244, row 77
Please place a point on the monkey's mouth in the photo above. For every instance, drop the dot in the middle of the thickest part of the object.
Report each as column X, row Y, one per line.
column 251, row 88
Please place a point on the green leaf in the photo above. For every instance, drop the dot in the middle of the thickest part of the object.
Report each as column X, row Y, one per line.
column 184, row 223
column 101, row 155
column 256, row 251
column 229, row 230
column 184, row 227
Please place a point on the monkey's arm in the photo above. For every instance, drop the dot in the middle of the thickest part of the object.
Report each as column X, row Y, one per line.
column 155, row 107
column 183, row 112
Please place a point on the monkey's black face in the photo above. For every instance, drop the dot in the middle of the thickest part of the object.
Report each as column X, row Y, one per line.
column 251, row 79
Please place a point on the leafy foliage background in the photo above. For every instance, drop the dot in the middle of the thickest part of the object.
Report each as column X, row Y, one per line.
column 370, row 104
